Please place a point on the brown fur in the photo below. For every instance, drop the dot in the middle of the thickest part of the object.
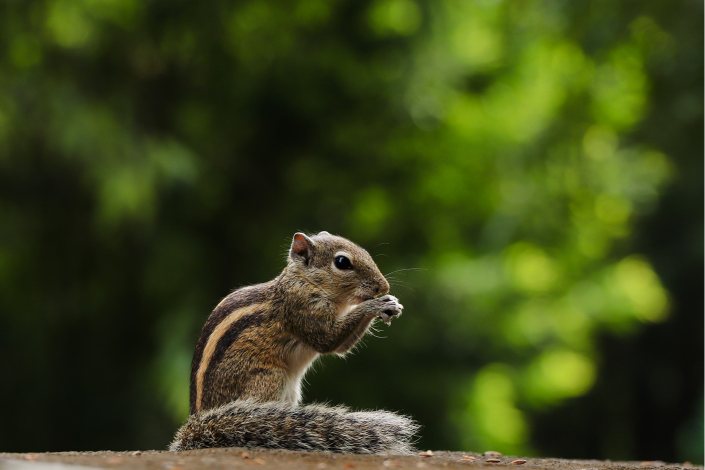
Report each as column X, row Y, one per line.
column 259, row 341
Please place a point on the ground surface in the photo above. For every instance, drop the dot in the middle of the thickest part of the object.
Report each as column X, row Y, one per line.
column 261, row 459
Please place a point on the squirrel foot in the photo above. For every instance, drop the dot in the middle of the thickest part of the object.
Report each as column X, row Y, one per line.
column 390, row 308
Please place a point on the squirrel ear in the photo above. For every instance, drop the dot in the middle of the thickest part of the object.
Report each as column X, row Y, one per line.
column 301, row 247
column 323, row 232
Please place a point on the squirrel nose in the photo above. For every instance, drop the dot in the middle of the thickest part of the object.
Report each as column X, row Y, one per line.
column 382, row 288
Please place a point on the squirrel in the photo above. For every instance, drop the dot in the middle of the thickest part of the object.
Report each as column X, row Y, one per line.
column 258, row 342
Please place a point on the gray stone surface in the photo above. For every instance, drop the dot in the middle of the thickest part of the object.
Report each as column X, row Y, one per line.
column 264, row 459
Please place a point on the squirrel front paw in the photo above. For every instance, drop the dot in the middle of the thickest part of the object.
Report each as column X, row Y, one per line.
column 389, row 307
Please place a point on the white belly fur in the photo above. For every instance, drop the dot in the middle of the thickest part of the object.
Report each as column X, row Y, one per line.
column 345, row 309
column 299, row 360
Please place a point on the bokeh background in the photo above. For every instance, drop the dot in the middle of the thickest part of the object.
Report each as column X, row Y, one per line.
column 531, row 172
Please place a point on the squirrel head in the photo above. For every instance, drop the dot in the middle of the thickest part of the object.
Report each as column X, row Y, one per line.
column 339, row 267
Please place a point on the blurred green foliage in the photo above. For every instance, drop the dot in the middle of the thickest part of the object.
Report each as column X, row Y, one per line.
column 529, row 172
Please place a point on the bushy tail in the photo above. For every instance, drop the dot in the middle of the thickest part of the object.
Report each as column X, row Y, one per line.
column 247, row 423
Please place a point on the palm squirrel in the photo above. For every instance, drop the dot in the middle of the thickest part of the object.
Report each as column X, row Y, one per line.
column 259, row 341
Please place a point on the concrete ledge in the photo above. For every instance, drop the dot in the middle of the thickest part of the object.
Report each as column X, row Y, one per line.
column 266, row 459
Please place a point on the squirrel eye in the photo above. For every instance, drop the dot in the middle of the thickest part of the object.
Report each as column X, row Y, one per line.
column 342, row 262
